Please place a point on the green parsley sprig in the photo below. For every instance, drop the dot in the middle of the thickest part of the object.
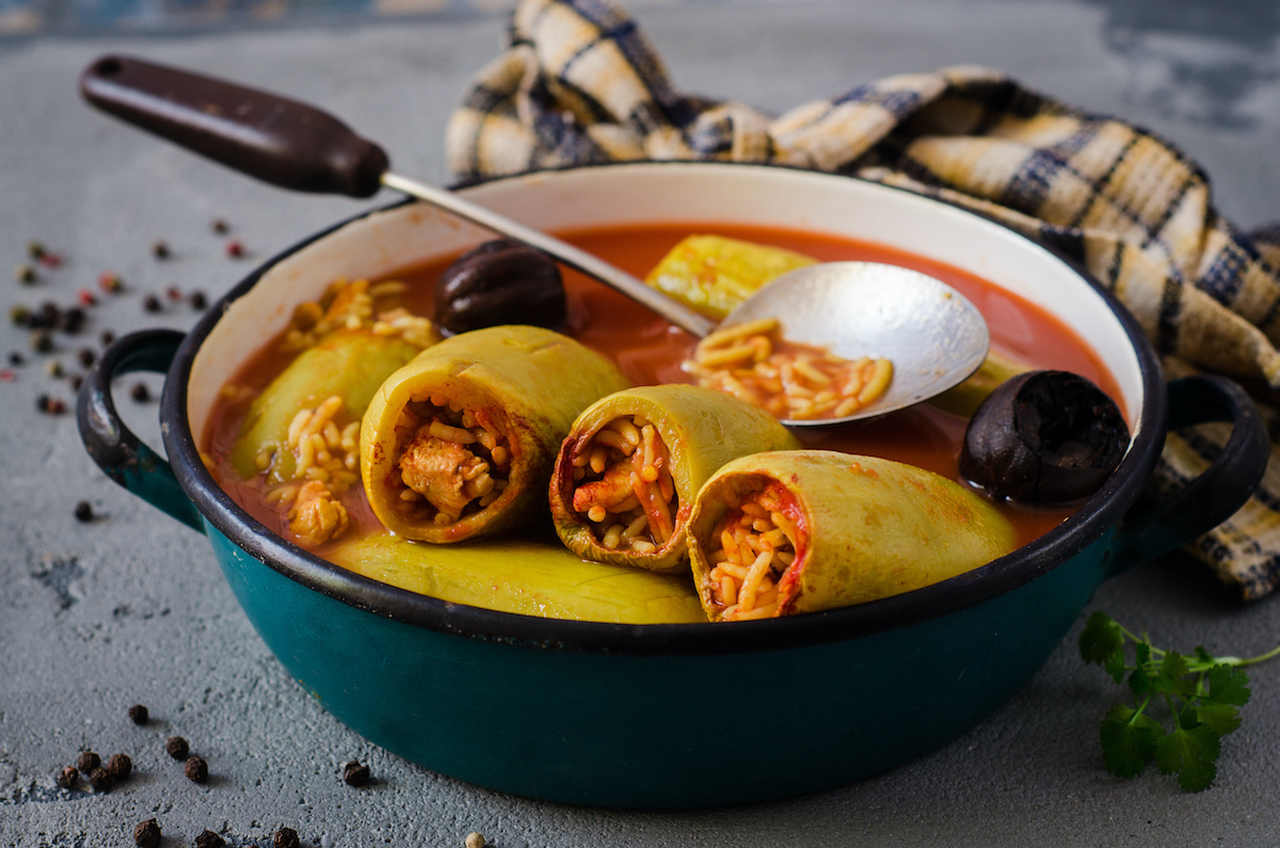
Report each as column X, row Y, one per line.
column 1199, row 695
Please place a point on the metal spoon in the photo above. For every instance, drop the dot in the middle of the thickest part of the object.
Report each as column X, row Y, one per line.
column 934, row 336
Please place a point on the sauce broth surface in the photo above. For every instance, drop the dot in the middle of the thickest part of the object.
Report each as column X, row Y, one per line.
column 649, row 350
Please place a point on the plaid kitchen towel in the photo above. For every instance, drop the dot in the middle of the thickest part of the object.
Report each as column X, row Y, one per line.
column 579, row 83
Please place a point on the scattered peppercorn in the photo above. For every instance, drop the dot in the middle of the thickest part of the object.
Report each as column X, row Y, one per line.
column 199, row 301
column 209, row 839
column 35, row 249
column 355, row 774
column 140, row 392
column 220, row 227
column 177, row 747
column 7, row 375
column 88, row 761
column 46, row 317
column 147, row 834
column 57, row 406
column 138, row 713
column 51, row 260
column 110, row 282
column 26, row 274
column 72, row 320
column 235, row 249
column 475, row 840
column 100, row 779
column 285, row 837
column 107, row 337
column 196, row 769
column 68, row 777
column 173, row 293
column 20, row 315
column 41, row 342
column 16, row 359
column 119, row 767
column 151, row 303
column 86, row 298
column 87, row 357
column 83, row 512
column 75, row 381
column 54, row 369
column 42, row 403
column 160, row 250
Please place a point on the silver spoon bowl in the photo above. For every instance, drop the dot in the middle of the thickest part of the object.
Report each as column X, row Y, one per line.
column 934, row 336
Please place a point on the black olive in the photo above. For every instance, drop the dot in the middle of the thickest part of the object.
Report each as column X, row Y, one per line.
column 500, row 282
column 1044, row 437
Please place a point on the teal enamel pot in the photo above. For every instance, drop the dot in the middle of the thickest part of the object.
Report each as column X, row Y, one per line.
column 670, row 715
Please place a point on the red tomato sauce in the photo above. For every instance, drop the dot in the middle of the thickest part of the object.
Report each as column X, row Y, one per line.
column 649, row 350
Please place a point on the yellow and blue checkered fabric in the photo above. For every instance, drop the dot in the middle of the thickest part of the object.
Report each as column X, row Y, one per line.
column 579, row 83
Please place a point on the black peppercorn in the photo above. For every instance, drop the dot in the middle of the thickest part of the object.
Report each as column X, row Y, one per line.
column 68, row 777
column 42, row 403
column 147, row 834
column 35, row 249
column 72, row 320
column 75, row 381
column 84, row 512
column 54, row 369
column 26, row 274
column 177, row 747
column 101, row 780
column 20, row 315
column 140, row 392
column 209, row 839
column 196, row 770
column 285, row 837
column 220, row 227
column 47, row 317
column 138, row 714
column 151, row 303
column 16, row 358
column 199, row 301
column 160, row 250
column 107, row 337
column 355, row 774
column 41, row 342
column 87, row 357
column 88, row 761
column 119, row 767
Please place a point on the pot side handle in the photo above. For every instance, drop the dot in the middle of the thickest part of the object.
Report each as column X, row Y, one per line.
column 1157, row 525
column 111, row 444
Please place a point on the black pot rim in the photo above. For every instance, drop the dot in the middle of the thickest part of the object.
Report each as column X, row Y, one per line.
column 1102, row 510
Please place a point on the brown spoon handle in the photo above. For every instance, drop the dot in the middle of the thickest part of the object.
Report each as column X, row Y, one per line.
column 273, row 138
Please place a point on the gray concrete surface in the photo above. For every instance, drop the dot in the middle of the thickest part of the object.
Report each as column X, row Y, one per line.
column 132, row 608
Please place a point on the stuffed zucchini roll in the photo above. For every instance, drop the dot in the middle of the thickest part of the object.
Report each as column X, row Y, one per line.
column 799, row 531
column 460, row 442
column 530, row 578
column 627, row 474
column 333, row 379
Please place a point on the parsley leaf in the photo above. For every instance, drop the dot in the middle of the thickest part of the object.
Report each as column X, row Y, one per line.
column 1192, row 755
column 1129, row 741
column 1199, row 694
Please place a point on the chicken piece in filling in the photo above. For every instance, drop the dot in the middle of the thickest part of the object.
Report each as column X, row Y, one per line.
column 622, row 486
column 455, row 462
column 750, row 550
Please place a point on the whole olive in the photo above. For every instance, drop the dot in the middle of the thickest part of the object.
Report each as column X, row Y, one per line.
column 1044, row 437
column 500, row 282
